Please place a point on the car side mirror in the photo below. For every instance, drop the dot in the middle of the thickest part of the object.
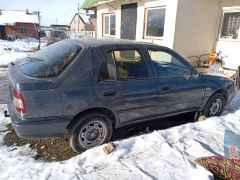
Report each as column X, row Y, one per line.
column 192, row 74
column 196, row 74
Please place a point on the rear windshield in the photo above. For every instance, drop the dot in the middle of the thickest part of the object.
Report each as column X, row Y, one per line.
column 51, row 61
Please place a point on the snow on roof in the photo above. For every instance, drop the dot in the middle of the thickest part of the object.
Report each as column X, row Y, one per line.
column 11, row 17
column 85, row 18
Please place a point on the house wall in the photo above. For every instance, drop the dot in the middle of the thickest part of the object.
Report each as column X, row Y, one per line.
column 230, row 48
column 32, row 30
column 196, row 27
column 74, row 24
column 115, row 6
column 191, row 27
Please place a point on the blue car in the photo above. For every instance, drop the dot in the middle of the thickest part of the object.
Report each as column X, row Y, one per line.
column 85, row 89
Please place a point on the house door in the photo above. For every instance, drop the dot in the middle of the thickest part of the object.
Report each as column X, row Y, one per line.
column 128, row 21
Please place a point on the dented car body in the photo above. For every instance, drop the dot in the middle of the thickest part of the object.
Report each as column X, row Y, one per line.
column 126, row 81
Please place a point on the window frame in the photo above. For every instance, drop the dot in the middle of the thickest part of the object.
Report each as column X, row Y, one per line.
column 100, row 68
column 103, row 24
column 175, row 55
column 23, row 30
column 225, row 11
column 127, row 79
column 145, row 23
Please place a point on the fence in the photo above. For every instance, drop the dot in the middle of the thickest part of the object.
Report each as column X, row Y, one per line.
column 81, row 34
column 202, row 63
column 198, row 61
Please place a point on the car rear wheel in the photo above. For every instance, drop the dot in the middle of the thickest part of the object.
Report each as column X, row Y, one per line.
column 90, row 130
column 214, row 106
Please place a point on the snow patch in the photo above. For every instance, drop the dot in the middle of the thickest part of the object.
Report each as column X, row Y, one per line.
column 163, row 154
column 14, row 50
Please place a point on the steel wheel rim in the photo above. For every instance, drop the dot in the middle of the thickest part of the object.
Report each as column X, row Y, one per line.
column 215, row 107
column 92, row 134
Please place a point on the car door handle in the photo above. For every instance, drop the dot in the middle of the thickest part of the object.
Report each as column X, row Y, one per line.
column 164, row 88
column 109, row 93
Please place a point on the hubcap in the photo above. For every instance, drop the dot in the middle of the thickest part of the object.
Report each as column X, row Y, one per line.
column 92, row 134
column 215, row 107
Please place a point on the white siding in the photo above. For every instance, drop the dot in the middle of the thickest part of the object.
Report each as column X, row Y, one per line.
column 196, row 26
column 170, row 17
column 191, row 26
column 230, row 48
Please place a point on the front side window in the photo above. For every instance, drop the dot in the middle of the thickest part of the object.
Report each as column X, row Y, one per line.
column 230, row 25
column 154, row 22
column 122, row 65
column 109, row 24
column 167, row 65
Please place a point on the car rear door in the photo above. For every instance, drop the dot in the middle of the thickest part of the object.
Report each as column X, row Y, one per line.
column 124, row 85
column 179, row 88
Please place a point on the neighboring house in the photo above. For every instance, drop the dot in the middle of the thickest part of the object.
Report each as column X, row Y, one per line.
column 81, row 23
column 60, row 27
column 18, row 24
column 92, row 6
column 191, row 27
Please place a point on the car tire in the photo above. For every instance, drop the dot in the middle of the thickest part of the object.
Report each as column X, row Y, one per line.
column 215, row 105
column 90, row 130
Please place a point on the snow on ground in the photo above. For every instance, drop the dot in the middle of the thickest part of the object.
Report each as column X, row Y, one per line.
column 163, row 154
column 13, row 50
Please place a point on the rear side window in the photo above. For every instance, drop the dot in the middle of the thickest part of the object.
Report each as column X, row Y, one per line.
column 50, row 61
column 123, row 64
column 108, row 68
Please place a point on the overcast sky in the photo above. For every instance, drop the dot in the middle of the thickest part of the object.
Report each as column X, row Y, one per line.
column 52, row 11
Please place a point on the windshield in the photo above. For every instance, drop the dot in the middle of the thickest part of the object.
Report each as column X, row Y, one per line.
column 50, row 61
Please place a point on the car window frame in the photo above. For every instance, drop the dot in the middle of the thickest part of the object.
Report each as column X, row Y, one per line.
column 135, row 48
column 174, row 54
column 100, row 67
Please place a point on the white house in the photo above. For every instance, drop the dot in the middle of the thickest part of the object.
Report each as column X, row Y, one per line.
column 191, row 27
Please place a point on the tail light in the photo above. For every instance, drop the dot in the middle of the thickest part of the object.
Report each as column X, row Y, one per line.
column 19, row 102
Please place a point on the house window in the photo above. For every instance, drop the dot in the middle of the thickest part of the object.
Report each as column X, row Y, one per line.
column 23, row 30
column 154, row 22
column 230, row 25
column 109, row 24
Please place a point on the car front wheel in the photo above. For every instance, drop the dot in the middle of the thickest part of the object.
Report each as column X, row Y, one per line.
column 90, row 131
column 215, row 105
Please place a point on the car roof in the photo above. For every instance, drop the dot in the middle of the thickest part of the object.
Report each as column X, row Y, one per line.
column 93, row 42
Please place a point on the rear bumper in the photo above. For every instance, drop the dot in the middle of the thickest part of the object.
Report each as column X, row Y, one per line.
column 38, row 127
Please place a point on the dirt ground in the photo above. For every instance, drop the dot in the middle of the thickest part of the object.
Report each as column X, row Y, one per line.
column 49, row 150
column 58, row 149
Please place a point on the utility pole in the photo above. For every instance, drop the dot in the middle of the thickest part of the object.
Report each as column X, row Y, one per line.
column 39, row 26
column 39, row 30
column 78, row 15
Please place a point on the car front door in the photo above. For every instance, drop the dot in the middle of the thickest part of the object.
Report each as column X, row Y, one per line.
column 179, row 88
